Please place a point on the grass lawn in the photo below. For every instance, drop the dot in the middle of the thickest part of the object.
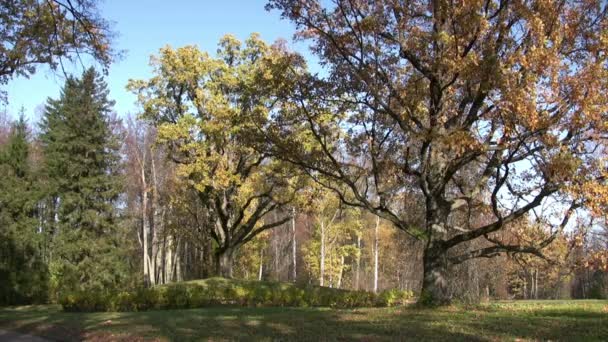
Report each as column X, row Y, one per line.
column 584, row 320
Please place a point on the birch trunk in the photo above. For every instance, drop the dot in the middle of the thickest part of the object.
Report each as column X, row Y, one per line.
column 293, row 245
column 148, row 278
column 376, row 254
column 261, row 265
column 322, row 266
column 358, row 271
column 339, row 285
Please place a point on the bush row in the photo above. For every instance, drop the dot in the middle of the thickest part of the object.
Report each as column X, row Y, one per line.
column 215, row 292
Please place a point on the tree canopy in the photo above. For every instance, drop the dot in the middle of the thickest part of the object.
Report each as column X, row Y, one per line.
column 494, row 106
column 207, row 110
column 36, row 32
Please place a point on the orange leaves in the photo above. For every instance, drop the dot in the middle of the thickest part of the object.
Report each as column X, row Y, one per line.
column 597, row 261
column 595, row 194
column 460, row 142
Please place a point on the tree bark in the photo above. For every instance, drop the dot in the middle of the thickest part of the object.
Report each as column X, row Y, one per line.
column 293, row 245
column 157, row 221
column 339, row 285
column 322, row 266
column 358, row 272
column 376, row 254
column 261, row 270
column 148, row 278
column 435, row 263
column 434, row 279
column 169, row 260
column 223, row 263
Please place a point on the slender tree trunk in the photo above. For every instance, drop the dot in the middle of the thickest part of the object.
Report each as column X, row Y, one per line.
column 276, row 256
column 358, row 262
column 536, row 283
column 322, row 266
column 261, row 264
column 376, row 254
column 169, row 260
column 339, row 285
column 177, row 270
column 157, row 221
column 293, row 245
column 526, row 285
column 149, row 278
column 163, row 262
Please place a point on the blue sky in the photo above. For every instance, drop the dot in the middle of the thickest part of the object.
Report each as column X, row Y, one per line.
column 146, row 26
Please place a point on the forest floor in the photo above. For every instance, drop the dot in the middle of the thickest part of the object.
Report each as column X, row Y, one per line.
column 581, row 320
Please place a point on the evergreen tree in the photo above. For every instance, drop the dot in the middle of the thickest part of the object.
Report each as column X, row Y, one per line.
column 81, row 165
column 22, row 269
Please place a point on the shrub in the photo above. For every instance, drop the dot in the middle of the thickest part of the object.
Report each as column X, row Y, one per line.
column 393, row 297
column 85, row 301
column 217, row 291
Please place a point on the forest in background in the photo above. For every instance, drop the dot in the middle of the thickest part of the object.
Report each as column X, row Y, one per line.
column 147, row 227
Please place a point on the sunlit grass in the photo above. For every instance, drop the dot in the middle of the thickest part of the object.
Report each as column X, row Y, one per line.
column 585, row 320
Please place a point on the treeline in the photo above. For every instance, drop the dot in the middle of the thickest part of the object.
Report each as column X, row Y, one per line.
column 91, row 202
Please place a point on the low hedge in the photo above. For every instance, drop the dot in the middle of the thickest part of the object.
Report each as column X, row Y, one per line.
column 219, row 291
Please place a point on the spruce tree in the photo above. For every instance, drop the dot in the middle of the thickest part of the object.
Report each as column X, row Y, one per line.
column 23, row 273
column 81, row 165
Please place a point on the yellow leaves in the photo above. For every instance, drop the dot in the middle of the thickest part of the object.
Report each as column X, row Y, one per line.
column 206, row 109
column 562, row 167
column 444, row 37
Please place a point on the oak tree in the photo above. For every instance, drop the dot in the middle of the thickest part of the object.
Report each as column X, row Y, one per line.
column 495, row 104
column 207, row 109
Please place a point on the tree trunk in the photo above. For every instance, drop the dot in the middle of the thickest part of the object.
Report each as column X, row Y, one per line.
column 176, row 273
column 322, row 266
column 293, row 245
column 276, row 257
column 339, row 285
column 156, row 224
column 223, row 263
column 536, row 283
column 434, row 278
column 169, row 260
column 358, row 272
column 260, row 272
column 376, row 254
column 148, row 278
column 435, row 289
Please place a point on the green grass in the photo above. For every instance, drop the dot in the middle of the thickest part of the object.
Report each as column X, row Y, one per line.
column 524, row 320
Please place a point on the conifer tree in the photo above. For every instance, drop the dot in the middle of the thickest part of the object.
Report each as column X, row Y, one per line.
column 22, row 269
column 81, row 164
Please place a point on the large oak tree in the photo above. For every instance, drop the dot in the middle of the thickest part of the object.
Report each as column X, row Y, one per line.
column 475, row 106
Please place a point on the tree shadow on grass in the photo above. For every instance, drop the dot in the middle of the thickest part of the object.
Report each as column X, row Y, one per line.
column 309, row 324
column 285, row 324
column 41, row 320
